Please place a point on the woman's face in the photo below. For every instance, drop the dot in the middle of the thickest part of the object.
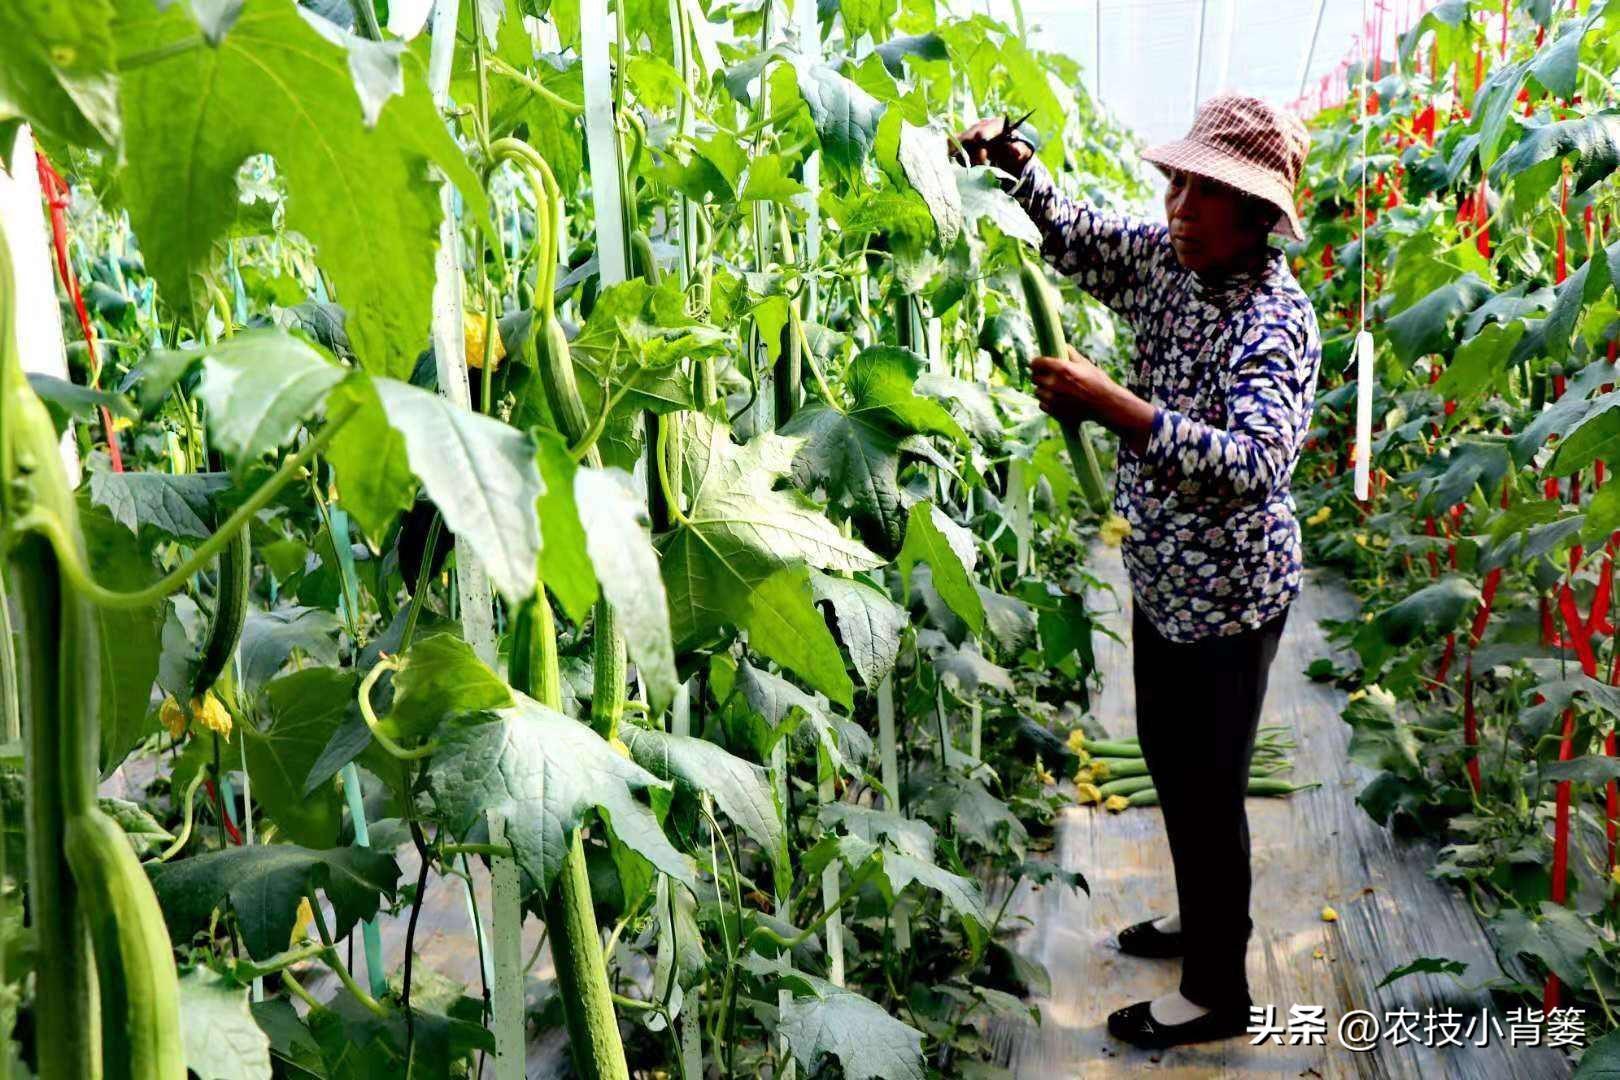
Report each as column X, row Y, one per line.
column 1213, row 227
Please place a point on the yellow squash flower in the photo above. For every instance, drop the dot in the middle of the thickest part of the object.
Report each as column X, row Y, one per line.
column 1320, row 516
column 208, row 712
column 1114, row 530
column 302, row 922
column 1087, row 794
column 1116, row 803
column 474, row 327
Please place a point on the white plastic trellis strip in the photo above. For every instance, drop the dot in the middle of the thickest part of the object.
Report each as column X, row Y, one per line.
column 39, row 326
column 406, row 18
column 686, row 211
column 602, row 140
column 1364, row 340
column 809, row 26
column 703, row 37
column 889, row 763
column 809, row 30
column 1364, row 406
column 477, row 606
column 449, row 344
column 507, row 999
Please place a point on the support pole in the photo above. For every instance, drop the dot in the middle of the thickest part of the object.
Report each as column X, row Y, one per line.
column 1310, row 51
column 889, row 764
column 1198, row 67
column 39, row 326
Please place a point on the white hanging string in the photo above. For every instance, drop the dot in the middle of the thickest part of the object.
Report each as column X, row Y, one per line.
column 1364, row 340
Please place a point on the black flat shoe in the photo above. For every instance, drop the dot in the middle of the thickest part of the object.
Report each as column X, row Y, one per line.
column 1135, row 1024
column 1144, row 939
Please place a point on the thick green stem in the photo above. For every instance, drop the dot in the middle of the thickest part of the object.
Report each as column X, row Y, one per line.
column 51, row 526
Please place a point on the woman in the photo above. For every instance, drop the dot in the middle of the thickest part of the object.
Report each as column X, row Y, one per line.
column 1210, row 424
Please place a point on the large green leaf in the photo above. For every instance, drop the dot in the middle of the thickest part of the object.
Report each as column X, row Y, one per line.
column 1597, row 436
column 935, row 539
column 1431, row 610
column 1560, row 938
column 263, row 884
column 869, row 623
column 619, row 540
column 904, row 849
column 783, row 624
column 481, row 474
column 177, row 505
column 194, row 112
column 1601, row 1060
column 303, row 711
column 269, row 638
column 222, row 1039
column 130, row 638
column 259, row 387
column 984, row 200
column 1478, row 367
column 739, row 532
column 543, row 774
column 1592, row 142
column 564, row 563
column 57, row 71
column 924, row 156
column 441, row 680
column 845, row 116
column 854, row 453
column 790, row 711
column 373, row 470
column 1447, row 478
column 867, row 1042
column 1425, row 327
column 975, row 814
column 741, row 788
column 634, row 340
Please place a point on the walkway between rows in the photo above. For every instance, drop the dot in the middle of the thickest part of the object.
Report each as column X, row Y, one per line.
column 1312, row 849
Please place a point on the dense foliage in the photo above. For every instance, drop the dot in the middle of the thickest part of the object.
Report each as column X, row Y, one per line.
column 1483, row 694
column 787, row 624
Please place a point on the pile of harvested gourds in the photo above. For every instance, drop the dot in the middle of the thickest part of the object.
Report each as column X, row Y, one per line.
column 1114, row 775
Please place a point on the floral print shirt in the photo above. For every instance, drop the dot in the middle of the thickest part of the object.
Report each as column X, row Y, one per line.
column 1230, row 369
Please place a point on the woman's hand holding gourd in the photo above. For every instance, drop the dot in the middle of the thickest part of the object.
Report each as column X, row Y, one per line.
column 1072, row 388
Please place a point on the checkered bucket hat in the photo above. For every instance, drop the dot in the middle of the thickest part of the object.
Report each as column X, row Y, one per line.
column 1247, row 144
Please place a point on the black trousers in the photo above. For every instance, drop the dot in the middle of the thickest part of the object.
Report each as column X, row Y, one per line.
column 1197, row 711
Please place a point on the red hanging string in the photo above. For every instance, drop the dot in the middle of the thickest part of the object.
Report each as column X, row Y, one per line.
column 1561, row 251
column 1559, row 888
column 56, row 193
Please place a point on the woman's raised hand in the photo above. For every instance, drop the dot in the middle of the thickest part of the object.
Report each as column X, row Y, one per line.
column 988, row 142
